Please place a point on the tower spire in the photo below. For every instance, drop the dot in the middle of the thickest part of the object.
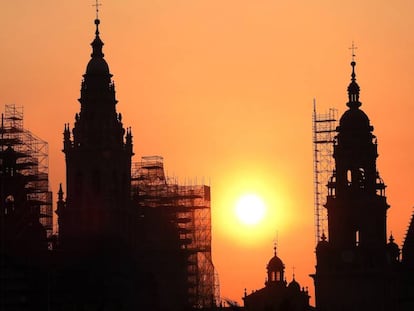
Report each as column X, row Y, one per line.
column 97, row 43
column 353, row 88
column 353, row 48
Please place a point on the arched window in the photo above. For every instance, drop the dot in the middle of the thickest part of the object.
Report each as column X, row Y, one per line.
column 361, row 177
column 278, row 276
column 349, row 177
column 357, row 238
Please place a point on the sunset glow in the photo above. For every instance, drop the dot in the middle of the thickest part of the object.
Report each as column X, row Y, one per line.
column 223, row 90
column 250, row 209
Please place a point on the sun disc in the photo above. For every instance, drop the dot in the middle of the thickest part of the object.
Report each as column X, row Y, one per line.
column 250, row 209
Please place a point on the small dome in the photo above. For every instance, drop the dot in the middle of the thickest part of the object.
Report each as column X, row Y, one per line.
column 353, row 88
column 275, row 271
column 97, row 66
column 354, row 119
column 294, row 285
column 392, row 248
column 275, row 264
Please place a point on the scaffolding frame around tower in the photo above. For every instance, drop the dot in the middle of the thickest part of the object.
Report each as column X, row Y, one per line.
column 191, row 210
column 34, row 163
column 324, row 132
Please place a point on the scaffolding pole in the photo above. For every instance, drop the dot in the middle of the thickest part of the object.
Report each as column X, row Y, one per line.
column 33, row 162
column 324, row 129
column 190, row 208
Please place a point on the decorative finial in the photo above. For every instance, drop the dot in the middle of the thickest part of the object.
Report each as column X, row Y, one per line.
column 353, row 48
column 391, row 238
column 275, row 241
column 97, row 44
column 97, row 21
column 353, row 88
column 353, row 72
column 97, row 5
column 60, row 192
column 293, row 268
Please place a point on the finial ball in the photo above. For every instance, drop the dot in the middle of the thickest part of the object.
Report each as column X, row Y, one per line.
column 97, row 22
column 353, row 64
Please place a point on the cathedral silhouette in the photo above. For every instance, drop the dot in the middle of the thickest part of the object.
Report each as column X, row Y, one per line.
column 131, row 239
column 128, row 239
column 357, row 269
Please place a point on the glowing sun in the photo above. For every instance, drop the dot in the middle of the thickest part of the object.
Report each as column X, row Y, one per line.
column 250, row 209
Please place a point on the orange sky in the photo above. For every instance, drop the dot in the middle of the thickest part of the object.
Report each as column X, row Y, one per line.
column 223, row 90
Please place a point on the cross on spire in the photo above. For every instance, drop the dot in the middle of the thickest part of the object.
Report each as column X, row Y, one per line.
column 97, row 5
column 275, row 242
column 353, row 48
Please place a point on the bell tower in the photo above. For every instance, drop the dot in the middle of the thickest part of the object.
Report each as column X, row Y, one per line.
column 355, row 270
column 356, row 201
column 98, row 160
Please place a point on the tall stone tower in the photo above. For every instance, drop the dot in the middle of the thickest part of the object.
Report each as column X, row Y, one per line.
column 97, row 261
column 98, row 161
column 356, row 269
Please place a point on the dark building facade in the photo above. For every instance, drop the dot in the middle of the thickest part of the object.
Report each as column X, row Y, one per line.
column 357, row 269
column 111, row 253
column 25, row 215
column 23, row 245
column 277, row 295
column 98, row 161
column 125, row 243
column 407, row 269
column 128, row 238
column 97, row 219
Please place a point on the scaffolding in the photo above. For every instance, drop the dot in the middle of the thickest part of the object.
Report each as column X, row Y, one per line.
column 32, row 162
column 189, row 207
column 324, row 129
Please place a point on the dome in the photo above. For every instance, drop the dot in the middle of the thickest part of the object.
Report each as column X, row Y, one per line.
column 275, row 270
column 393, row 249
column 354, row 119
column 294, row 285
column 275, row 264
column 97, row 66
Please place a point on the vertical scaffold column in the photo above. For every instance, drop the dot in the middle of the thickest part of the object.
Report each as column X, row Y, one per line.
column 33, row 162
column 324, row 128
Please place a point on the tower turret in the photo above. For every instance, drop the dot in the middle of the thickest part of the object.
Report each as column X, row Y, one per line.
column 361, row 219
column 354, row 265
column 275, row 270
column 98, row 159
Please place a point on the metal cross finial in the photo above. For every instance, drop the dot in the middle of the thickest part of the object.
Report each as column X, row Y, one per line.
column 97, row 5
column 353, row 48
column 275, row 242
